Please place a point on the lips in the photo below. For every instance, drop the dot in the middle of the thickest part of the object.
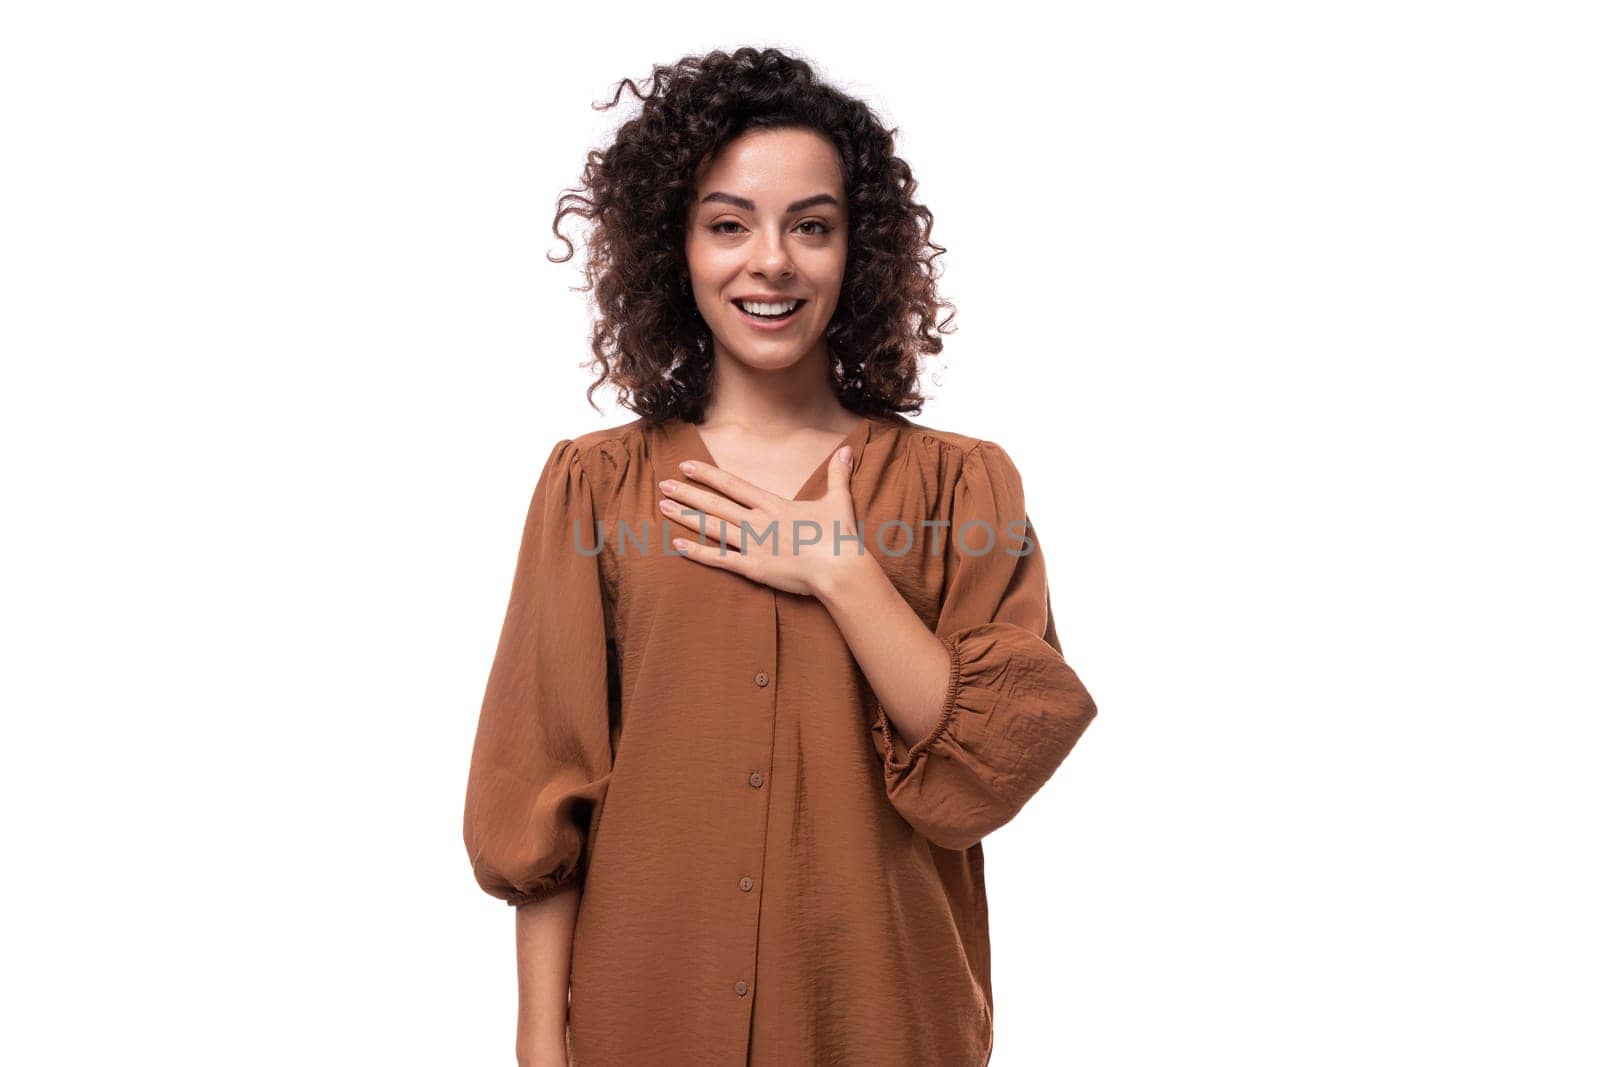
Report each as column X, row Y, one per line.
column 742, row 301
column 766, row 323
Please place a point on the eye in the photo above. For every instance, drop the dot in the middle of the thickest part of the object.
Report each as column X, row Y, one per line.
column 821, row 227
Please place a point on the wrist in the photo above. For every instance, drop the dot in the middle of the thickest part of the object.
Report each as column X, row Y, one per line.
column 543, row 1050
column 841, row 572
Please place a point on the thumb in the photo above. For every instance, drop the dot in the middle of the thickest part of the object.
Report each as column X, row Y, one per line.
column 839, row 471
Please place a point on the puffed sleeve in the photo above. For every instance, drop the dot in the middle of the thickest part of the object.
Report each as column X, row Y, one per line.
column 1013, row 708
column 541, row 759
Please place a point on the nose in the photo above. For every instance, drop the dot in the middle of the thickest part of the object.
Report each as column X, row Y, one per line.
column 768, row 256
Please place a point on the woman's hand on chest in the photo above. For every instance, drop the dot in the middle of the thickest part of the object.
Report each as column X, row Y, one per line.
column 798, row 546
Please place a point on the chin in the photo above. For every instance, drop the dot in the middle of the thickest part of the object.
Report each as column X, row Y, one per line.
column 775, row 357
column 771, row 356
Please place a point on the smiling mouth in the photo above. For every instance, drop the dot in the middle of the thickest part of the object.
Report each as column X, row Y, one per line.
column 770, row 318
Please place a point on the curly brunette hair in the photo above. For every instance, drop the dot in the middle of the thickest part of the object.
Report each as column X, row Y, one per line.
column 649, row 340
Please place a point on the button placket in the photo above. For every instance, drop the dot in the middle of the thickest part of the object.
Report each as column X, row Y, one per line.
column 758, row 731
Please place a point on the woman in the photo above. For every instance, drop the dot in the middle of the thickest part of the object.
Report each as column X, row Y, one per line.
column 776, row 658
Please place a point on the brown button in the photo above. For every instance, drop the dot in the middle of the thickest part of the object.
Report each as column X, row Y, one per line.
column 762, row 680
column 740, row 988
column 755, row 779
column 745, row 883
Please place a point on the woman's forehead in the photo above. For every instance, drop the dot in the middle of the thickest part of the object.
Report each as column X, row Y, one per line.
column 772, row 168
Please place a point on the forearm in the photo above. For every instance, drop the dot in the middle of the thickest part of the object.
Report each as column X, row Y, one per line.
column 544, row 972
column 906, row 664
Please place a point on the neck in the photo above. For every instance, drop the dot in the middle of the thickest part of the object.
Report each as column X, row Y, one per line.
column 793, row 397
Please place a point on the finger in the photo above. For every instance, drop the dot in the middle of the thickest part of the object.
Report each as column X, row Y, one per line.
column 712, row 555
column 703, row 526
column 729, row 485
column 688, row 494
column 839, row 468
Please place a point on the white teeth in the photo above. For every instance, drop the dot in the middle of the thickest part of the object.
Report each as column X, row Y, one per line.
column 769, row 309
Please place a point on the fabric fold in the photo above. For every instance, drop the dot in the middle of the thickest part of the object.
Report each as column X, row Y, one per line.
column 1013, row 707
column 542, row 756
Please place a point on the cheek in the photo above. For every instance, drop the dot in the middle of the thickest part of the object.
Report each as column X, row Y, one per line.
column 832, row 266
column 709, row 264
column 828, row 281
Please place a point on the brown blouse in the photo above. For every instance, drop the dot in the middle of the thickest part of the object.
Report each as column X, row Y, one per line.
column 769, row 874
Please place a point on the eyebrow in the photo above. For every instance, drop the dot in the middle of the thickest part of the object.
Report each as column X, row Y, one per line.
column 749, row 205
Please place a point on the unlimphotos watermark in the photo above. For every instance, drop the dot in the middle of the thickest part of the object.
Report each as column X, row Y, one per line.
column 896, row 537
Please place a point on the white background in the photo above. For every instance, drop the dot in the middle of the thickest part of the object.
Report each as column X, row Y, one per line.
column 1287, row 312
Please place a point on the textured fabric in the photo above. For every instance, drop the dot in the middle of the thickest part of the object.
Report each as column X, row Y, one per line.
column 768, row 873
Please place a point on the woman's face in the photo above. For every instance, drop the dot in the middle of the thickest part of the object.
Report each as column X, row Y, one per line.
column 769, row 221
